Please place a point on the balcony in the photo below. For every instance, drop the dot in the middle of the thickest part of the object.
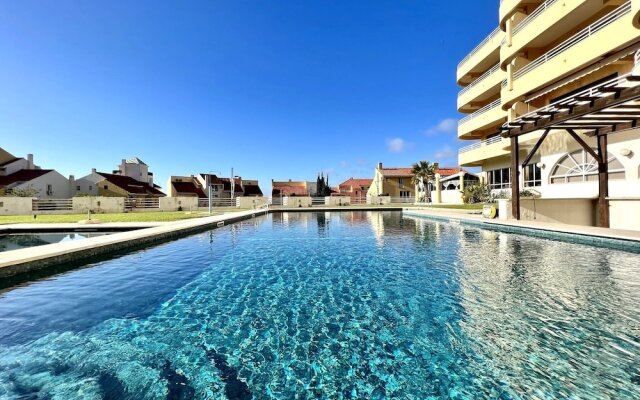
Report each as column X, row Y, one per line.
column 481, row 90
column 552, row 19
column 475, row 154
column 481, row 122
column 509, row 7
column 614, row 31
column 483, row 57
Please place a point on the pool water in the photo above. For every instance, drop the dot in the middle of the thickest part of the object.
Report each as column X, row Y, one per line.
column 366, row 305
column 25, row 240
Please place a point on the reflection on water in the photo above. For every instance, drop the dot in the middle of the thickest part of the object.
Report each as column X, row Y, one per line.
column 332, row 305
column 24, row 240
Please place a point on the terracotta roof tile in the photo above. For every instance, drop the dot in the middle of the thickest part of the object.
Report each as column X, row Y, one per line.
column 24, row 175
column 188, row 187
column 359, row 182
column 131, row 185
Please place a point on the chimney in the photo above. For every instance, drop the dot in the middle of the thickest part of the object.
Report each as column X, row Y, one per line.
column 72, row 185
column 30, row 161
column 379, row 165
column 93, row 170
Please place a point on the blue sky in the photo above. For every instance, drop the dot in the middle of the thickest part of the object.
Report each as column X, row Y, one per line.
column 275, row 89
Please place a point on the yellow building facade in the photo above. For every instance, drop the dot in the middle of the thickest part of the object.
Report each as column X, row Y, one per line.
column 393, row 182
column 541, row 52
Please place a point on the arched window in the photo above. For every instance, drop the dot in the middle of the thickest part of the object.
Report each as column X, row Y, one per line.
column 580, row 166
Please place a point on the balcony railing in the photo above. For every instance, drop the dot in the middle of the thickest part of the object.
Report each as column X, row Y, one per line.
column 481, row 111
column 480, row 78
column 475, row 49
column 477, row 145
column 541, row 9
column 575, row 39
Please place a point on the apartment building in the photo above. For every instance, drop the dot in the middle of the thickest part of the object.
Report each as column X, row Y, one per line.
column 549, row 98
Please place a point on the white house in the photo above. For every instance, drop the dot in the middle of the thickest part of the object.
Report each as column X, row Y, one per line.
column 22, row 173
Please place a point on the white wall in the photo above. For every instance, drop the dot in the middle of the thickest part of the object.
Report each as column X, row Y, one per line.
column 296, row 201
column 59, row 185
column 16, row 166
column 250, row 202
column 15, row 205
column 337, row 200
column 88, row 185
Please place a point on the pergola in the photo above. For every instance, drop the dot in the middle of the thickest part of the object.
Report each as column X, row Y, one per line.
column 599, row 111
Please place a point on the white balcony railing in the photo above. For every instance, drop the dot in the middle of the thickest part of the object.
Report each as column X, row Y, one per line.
column 541, row 9
column 479, row 46
column 480, row 78
column 481, row 111
column 481, row 143
column 575, row 39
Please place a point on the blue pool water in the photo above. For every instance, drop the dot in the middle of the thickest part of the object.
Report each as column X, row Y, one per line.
column 366, row 305
column 24, row 240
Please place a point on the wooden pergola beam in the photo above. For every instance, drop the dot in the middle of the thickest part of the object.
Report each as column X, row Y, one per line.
column 535, row 148
column 584, row 145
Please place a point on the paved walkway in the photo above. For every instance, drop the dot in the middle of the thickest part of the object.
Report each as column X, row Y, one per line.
column 608, row 233
column 38, row 257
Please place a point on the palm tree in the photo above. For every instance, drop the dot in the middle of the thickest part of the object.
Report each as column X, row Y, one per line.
column 424, row 172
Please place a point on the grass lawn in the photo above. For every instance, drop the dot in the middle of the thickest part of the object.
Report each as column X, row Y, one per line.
column 119, row 217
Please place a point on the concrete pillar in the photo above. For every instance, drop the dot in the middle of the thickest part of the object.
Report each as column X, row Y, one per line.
column 437, row 199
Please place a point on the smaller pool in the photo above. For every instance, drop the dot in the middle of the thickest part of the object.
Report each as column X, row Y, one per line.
column 23, row 240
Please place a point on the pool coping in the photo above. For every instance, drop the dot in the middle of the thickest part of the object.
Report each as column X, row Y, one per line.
column 22, row 261
column 603, row 237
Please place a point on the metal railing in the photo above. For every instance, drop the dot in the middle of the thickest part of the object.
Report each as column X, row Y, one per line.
column 479, row 46
column 595, row 91
column 541, row 9
column 477, row 145
column 575, row 39
column 480, row 79
column 217, row 202
column 142, row 203
column 402, row 200
column 481, row 111
column 52, row 205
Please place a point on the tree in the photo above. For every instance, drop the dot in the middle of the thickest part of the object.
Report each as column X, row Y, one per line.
column 424, row 172
column 29, row 191
column 322, row 186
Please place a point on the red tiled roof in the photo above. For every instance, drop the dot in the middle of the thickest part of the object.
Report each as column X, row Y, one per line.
column 286, row 190
column 448, row 171
column 213, row 179
column 357, row 182
column 397, row 172
column 24, row 175
column 131, row 185
column 252, row 190
column 188, row 187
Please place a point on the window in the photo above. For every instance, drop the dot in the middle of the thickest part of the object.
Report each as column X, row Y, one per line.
column 580, row 166
column 90, row 187
column 78, row 188
column 499, row 178
column 405, row 193
column 532, row 175
column 106, row 187
column 49, row 190
column 401, row 182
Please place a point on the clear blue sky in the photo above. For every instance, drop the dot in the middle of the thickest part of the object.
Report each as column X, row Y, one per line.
column 276, row 89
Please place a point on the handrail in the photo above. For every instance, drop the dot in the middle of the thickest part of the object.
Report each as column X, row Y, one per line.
column 557, row 105
column 475, row 49
column 575, row 39
column 478, row 144
column 541, row 9
column 480, row 78
column 483, row 110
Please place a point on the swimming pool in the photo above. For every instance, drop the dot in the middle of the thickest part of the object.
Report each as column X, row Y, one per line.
column 331, row 305
column 15, row 241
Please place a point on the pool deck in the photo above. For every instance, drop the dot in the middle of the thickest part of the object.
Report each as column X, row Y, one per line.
column 555, row 228
column 21, row 261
